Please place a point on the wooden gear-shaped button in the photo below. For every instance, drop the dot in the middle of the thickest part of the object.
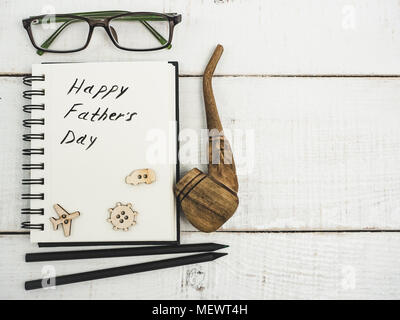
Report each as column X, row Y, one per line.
column 122, row 216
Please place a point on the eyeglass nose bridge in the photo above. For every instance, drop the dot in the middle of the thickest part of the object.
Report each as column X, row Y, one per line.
column 98, row 23
column 104, row 24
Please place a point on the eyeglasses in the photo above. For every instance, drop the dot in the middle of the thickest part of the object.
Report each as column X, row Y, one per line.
column 132, row 31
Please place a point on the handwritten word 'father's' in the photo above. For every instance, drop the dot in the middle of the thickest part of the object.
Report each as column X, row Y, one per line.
column 102, row 91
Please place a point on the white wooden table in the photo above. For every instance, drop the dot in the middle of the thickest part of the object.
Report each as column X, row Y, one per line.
column 318, row 82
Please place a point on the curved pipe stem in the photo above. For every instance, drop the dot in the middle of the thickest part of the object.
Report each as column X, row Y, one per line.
column 221, row 165
column 213, row 121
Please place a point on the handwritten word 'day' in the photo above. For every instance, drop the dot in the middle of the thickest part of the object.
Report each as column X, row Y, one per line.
column 102, row 91
column 83, row 140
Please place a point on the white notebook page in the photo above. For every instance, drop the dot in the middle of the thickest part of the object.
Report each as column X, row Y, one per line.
column 89, row 176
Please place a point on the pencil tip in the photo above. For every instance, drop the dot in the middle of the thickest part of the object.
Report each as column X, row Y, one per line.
column 218, row 246
column 218, row 254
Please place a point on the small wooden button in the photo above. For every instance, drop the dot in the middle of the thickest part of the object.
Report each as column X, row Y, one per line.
column 122, row 216
column 141, row 176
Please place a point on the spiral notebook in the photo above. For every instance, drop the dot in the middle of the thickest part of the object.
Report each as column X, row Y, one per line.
column 102, row 159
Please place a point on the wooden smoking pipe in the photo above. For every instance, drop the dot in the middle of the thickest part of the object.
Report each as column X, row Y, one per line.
column 209, row 200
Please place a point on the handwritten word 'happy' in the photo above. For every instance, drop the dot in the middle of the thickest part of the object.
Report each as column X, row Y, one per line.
column 102, row 91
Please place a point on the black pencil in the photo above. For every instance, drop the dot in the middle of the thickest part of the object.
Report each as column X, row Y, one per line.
column 122, row 252
column 124, row 270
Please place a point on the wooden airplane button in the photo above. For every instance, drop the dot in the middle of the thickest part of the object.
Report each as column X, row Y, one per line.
column 65, row 219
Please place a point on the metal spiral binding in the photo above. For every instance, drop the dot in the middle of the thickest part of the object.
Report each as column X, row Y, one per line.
column 29, row 107
column 32, row 226
column 28, row 152
column 33, row 136
column 33, row 181
column 28, row 123
column 28, row 94
column 32, row 211
column 28, row 79
column 31, row 196
column 31, row 122
column 33, row 166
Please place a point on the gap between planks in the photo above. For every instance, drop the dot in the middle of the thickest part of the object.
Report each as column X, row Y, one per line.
column 20, row 233
column 17, row 75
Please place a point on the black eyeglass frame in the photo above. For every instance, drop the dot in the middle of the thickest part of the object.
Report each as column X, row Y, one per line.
column 173, row 19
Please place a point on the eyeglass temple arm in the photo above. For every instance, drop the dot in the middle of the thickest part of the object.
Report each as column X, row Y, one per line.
column 54, row 35
column 46, row 44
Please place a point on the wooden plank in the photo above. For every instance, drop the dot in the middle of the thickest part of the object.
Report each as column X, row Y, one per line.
column 283, row 266
column 260, row 37
column 325, row 154
column 11, row 145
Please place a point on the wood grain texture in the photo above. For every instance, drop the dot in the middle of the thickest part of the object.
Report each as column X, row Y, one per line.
column 258, row 266
column 324, row 154
column 328, row 155
column 206, row 203
column 259, row 36
column 210, row 199
column 11, row 144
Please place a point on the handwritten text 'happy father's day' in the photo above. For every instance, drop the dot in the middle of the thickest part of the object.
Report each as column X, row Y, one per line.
column 101, row 114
